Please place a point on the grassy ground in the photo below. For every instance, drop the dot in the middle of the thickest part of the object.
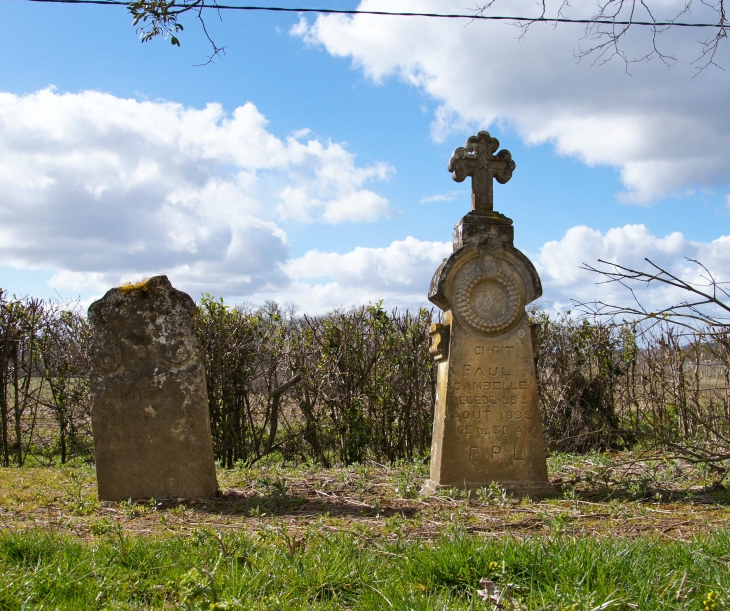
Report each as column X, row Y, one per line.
column 630, row 532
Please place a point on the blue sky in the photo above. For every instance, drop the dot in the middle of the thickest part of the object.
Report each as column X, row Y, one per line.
column 308, row 165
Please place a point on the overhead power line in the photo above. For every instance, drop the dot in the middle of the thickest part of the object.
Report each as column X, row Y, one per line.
column 281, row 9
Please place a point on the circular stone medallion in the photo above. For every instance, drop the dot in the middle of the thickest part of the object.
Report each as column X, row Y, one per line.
column 178, row 352
column 105, row 358
column 488, row 302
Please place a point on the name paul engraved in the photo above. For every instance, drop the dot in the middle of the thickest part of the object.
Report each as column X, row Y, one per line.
column 489, row 400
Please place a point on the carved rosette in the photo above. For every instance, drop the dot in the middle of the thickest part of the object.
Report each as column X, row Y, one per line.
column 178, row 352
column 491, row 300
column 106, row 358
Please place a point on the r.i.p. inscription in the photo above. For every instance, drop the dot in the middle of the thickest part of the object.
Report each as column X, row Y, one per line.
column 487, row 425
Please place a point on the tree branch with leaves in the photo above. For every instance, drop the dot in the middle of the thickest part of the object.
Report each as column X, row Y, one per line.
column 160, row 18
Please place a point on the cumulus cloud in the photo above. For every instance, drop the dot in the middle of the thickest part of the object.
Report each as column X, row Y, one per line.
column 559, row 264
column 666, row 132
column 105, row 189
column 399, row 274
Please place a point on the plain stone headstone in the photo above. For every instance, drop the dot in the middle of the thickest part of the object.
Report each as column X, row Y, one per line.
column 487, row 426
column 150, row 419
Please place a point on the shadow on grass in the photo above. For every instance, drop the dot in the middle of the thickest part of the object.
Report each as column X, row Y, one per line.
column 236, row 503
column 718, row 495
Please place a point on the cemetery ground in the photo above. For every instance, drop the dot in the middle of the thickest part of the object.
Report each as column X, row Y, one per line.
column 639, row 530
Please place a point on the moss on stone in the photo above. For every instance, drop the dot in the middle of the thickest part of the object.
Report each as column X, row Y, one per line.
column 131, row 286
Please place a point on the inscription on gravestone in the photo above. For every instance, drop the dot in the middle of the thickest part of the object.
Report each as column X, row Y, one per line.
column 150, row 417
column 487, row 425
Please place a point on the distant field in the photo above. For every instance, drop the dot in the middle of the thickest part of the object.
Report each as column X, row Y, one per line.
column 631, row 532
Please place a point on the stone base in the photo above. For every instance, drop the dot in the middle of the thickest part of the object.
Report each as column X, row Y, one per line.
column 492, row 227
column 533, row 490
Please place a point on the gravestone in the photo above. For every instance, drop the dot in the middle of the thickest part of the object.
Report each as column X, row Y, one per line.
column 487, row 425
column 149, row 415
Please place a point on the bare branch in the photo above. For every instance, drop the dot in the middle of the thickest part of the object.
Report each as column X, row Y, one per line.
column 608, row 28
column 702, row 311
column 216, row 49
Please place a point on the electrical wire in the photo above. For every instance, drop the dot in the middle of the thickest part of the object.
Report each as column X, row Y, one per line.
column 281, row 9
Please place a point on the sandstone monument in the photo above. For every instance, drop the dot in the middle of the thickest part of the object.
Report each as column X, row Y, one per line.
column 487, row 425
column 149, row 415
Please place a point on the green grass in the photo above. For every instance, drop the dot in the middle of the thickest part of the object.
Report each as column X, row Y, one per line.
column 631, row 531
column 271, row 569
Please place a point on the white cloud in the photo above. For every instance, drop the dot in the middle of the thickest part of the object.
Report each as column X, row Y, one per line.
column 399, row 274
column 559, row 261
column 666, row 132
column 330, row 188
column 441, row 197
column 345, row 199
column 629, row 245
column 104, row 189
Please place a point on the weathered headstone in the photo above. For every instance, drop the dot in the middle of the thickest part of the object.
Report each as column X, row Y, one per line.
column 149, row 416
column 487, row 425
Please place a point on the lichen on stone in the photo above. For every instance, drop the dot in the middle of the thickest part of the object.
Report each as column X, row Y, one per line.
column 132, row 286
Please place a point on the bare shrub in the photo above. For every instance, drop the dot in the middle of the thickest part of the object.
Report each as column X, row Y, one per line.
column 679, row 383
column 609, row 385
column 64, row 370
column 358, row 385
column 21, row 323
column 246, row 361
column 680, row 392
column 44, row 403
column 580, row 368
column 368, row 384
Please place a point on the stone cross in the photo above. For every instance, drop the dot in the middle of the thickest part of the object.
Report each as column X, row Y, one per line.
column 487, row 425
column 478, row 160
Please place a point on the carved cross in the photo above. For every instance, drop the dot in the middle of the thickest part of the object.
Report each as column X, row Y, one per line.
column 478, row 160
